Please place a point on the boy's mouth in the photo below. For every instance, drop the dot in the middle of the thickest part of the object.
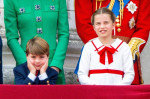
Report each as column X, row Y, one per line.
column 37, row 65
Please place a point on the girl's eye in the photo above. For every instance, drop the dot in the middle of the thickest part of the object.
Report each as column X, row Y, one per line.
column 106, row 22
column 97, row 23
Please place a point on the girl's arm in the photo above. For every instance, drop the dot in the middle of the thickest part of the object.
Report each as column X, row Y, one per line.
column 127, row 66
column 84, row 67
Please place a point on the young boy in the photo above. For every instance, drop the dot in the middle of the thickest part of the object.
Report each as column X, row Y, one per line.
column 104, row 60
column 36, row 70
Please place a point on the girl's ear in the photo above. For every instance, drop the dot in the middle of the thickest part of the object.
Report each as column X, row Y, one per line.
column 93, row 27
column 114, row 24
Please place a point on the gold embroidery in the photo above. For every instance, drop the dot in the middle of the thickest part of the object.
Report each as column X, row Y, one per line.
column 134, row 44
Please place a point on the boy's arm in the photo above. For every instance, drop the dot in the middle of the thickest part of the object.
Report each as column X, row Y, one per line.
column 49, row 77
column 127, row 67
column 21, row 79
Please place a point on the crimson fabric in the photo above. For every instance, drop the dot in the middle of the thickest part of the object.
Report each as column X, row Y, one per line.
column 37, row 71
column 106, row 71
column 74, row 92
column 109, row 51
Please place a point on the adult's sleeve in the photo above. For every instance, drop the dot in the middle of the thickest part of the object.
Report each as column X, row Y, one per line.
column 63, row 36
column 10, row 19
column 83, row 13
column 141, row 34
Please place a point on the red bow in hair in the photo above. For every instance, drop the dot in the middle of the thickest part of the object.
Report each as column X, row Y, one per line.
column 110, row 51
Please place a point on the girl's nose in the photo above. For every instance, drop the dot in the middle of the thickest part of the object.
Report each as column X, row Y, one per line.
column 102, row 26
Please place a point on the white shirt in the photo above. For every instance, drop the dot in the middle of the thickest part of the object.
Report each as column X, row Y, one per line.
column 90, row 60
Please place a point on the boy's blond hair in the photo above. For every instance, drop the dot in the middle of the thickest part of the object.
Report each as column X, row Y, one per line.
column 37, row 46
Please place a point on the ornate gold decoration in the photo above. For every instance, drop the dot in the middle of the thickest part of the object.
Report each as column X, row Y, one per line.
column 121, row 10
column 100, row 3
column 118, row 25
column 132, row 7
column 117, row 20
column 110, row 6
column 134, row 44
column 131, row 23
column 119, row 30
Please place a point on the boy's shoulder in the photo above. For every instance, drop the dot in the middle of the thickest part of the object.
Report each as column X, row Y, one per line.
column 21, row 67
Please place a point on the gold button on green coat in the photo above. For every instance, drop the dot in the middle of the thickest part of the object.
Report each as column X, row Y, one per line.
column 47, row 19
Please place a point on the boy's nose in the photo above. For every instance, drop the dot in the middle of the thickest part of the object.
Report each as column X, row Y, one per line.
column 37, row 60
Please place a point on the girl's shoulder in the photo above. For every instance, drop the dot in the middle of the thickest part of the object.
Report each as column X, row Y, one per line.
column 120, row 45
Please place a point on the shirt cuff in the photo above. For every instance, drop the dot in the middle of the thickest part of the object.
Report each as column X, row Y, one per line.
column 32, row 77
column 43, row 76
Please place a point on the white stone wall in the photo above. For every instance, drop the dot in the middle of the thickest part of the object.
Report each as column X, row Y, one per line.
column 73, row 52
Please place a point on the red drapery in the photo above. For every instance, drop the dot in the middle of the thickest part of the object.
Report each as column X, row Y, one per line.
column 74, row 92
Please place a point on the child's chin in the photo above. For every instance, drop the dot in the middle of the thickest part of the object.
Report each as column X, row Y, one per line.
column 38, row 68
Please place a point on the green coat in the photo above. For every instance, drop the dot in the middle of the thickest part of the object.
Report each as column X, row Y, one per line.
column 44, row 18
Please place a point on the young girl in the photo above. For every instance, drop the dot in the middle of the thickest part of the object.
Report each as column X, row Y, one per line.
column 104, row 60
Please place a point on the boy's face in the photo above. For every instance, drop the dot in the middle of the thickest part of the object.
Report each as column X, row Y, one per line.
column 103, row 25
column 37, row 60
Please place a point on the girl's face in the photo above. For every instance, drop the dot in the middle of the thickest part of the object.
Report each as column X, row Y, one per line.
column 103, row 25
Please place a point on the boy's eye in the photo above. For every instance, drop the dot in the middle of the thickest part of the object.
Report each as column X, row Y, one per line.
column 42, row 56
column 32, row 56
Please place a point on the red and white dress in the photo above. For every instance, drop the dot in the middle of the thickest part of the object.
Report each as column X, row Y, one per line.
column 134, row 28
column 101, row 65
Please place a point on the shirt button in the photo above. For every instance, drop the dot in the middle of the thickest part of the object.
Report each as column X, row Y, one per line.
column 38, row 19
column 37, row 7
column 29, row 83
column 39, row 30
column 47, row 81
column 22, row 10
column 119, row 30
